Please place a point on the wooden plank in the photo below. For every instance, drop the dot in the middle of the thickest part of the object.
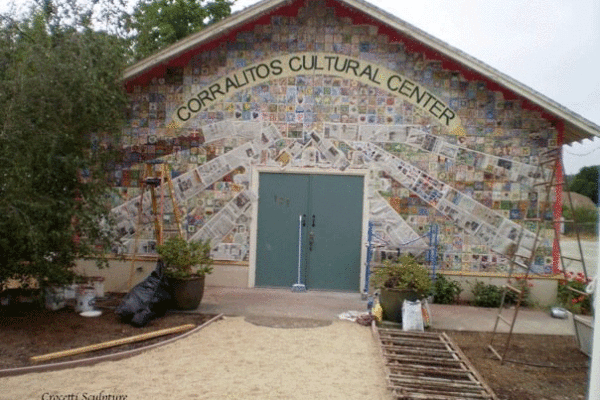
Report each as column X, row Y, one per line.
column 445, row 391
column 458, row 376
column 434, row 395
column 112, row 343
column 469, row 365
column 436, row 383
column 414, row 343
column 409, row 333
column 428, row 360
column 429, row 366
column 408, row 341
column 433, row 381
column 442, row 393
column 423, row 351
column 429, row 369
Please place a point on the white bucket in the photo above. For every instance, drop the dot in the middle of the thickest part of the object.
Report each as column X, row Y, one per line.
column 71, row 291
column 86, row 296
column 55, row 298
column 98, row 283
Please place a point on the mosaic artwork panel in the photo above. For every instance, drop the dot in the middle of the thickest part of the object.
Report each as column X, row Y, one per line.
column 479, row 186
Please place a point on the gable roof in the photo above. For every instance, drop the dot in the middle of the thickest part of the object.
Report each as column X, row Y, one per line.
column 575, row 127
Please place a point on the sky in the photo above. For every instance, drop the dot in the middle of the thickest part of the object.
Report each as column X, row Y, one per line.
column 552, row 46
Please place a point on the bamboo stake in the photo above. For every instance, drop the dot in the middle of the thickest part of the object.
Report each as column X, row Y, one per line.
column 112, row 343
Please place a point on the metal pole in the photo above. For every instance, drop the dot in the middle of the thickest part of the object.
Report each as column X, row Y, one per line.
column 594, row 385
column 299, row 287
column 369, row 258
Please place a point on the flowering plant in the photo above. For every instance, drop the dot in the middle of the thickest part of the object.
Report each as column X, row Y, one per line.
column 574, row 300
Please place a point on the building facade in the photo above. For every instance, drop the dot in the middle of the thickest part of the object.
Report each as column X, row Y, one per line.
column 315, row 125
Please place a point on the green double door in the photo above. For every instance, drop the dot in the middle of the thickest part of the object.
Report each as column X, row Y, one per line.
column 332, row 208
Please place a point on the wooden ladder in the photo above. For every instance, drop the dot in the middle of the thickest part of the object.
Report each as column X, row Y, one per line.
column 153, row 179
column 539, row 216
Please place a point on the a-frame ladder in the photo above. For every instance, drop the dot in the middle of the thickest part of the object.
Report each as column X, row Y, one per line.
column 155, row 178
column 539, row 215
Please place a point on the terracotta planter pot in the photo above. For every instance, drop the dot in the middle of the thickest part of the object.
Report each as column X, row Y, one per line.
column 186, row 293
column 391, row 302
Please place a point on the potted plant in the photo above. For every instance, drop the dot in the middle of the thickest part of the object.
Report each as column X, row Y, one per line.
column 398, row 281
column 186, row 265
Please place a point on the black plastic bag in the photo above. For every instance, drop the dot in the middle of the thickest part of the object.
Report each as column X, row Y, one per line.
column 147, row 300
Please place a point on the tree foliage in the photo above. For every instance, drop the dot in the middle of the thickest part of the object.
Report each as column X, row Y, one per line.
column 585, row 182
column 60, row 97
column 155, row 24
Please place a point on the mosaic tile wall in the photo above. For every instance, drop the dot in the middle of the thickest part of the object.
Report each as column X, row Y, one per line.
column 478, row 187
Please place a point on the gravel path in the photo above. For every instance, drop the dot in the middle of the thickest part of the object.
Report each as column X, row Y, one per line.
column 229, row 359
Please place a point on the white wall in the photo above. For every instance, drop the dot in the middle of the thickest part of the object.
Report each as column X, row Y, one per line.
column 543, row 292
column 117, row 275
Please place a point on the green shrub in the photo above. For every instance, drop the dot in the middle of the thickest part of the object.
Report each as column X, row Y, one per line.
column 446, row 291
column 405, row 274
column 486, row 295
column 184, row 259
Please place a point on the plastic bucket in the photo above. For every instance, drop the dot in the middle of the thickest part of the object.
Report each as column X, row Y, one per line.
column 86, row 296
column 98, row 283
column 55, row 298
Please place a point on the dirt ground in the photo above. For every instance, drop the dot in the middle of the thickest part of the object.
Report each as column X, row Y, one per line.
column 541, row 367
column 29, row 331
column 544, row 367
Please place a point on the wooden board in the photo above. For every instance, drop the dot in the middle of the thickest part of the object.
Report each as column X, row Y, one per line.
column 426, row 365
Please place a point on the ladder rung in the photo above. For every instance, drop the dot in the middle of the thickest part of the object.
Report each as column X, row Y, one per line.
column 512, row 288
column 153, row 181
column 495, row 352
column 518, row 264
column 572, row 258
column 577, row 291
column 549, row 184
column 532, row 219
column 501, row 318
column 550, row 151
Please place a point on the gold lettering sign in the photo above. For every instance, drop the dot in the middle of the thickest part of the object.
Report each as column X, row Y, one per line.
column 323, row 64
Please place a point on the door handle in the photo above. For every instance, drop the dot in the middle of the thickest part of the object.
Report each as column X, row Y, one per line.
column 311, row 240
column 313, row 224
column 304, row 220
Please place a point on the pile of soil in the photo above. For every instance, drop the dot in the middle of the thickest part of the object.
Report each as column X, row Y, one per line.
column 28, row 330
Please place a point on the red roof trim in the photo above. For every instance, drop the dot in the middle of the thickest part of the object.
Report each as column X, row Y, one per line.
column 358, row 18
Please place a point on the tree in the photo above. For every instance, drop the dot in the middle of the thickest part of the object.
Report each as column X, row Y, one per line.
column 586, row 183
column 155, row 24
column 61, row 104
